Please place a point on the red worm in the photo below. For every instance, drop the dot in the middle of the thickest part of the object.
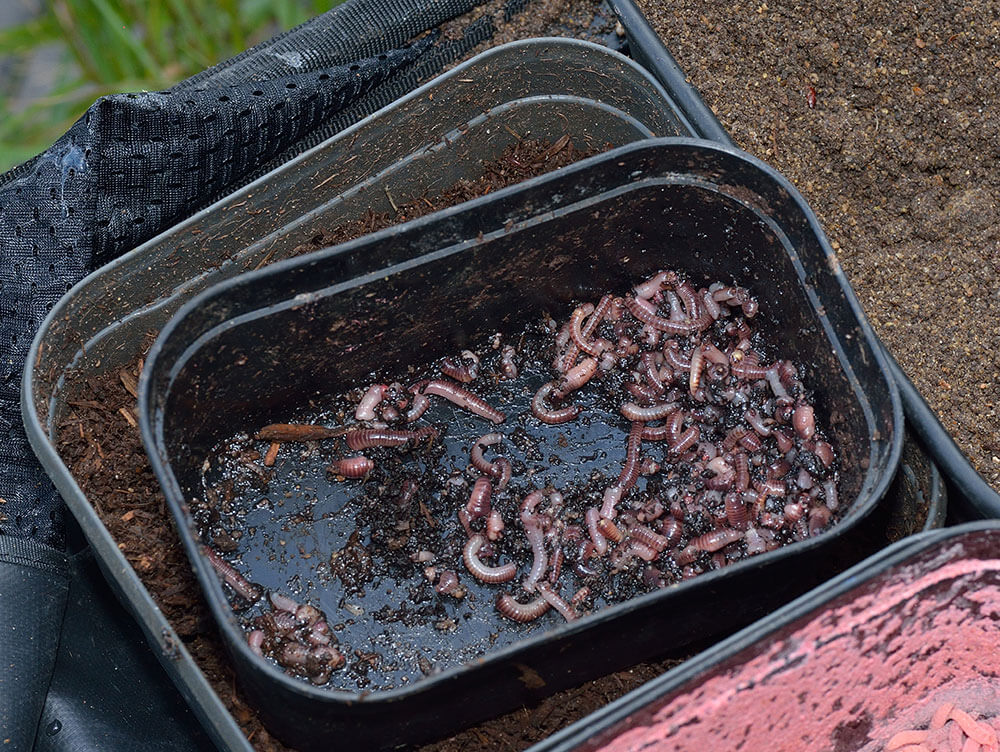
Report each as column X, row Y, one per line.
column 507, row 365
column 651, row 286
column 521, row 612
column 483, row 572
column 576, row 377
column 420, row 405
column 546, row 414
column 351, row 467
column 593, row 516
column 687, row 294
column 655, row 433
column 736, row 510
column 645, row 312
column 556, row 601
column 633, row 412
column 255, row 640
column 748, row 371
column 674, row 358
column 757, row 422
column 686, row 440
column 464, row 372
column 464, row 399
column 716, row 539
column 479, row 500
column 648, row 537
column 577, row 335
column 366, row 407
column 671, row 529
column 610, row 530
column 240, row 584
column 500, row 469
column 366, row 438
column 603, row 307
column 494, row 525
column 804, row 421
column 630, row 471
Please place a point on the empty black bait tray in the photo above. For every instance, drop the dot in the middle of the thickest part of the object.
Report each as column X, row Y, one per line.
column 284, row 345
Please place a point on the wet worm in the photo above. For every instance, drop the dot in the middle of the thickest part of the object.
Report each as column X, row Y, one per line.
column 716, row 539
column 648, row 537
column 521, row 612
column 508, row 368
column 366, row 407
column 282, row 432
column 804, row 422
column 576, row 377
column 645, row 312
column 463, row 372
column 536, row 538
column 464, row 399
column 610, row 530
column 694, row 373
column 756, row 422
column 484, row 572
column 651, row 286
column 548, row 415
column 686, row 440
column 748, row 371
column 494, row 525
column 736, row 511
column 420, row 405
column 600, row 312
column 556, row 601
column 240, row 584
column 283, row 602
column 255, row 640
column 366, row 438
column 633, row 412
column 351, row 467
column 500, row 469
column 478, row 505
column 593, row 516
column 576, row 334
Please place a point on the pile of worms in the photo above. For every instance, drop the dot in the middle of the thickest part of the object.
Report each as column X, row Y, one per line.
column 722, row 460
column 951, row 729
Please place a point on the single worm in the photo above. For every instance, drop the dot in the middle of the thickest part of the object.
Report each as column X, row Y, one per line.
column 464, row 399
column 695, row 371
column 282, row 432
column 600, row 312
column 645, row 312
column 736, row 511
column 651, row 286
column 366, row 407
column 548, row 415
column 716, row 539
column 447, row 583
column 521, row 612
column 478, row 505
column 255, row 640
column 464, row 371
column 648, row 537
column 481, row 571
column 500, row 469
column 494, row 525
column 757, row 423
column 240, row 584
column 351, row 467
column 592, row 517
column 556, row 601
column 686, row 440
column 576, row 377
column 633, row 412
column 804, row 421
column 575, row 332
column 610, row 530
column 283, row 602
column 508, row 368
column 366, row 438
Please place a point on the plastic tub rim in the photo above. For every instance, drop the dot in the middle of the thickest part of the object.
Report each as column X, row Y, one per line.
column 235, row 638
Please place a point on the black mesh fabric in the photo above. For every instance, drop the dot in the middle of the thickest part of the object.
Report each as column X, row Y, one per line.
column 136, row 164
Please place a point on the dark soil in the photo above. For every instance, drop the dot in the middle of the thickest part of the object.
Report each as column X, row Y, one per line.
column 899, row 158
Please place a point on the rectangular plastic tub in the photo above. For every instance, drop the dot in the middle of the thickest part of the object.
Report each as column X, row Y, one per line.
column 873, row 653
column 264, row 346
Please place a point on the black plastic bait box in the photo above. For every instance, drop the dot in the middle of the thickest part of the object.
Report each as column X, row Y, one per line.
column 275, row 343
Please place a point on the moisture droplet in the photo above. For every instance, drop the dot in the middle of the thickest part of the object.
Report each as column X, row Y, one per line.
column 54, row 727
